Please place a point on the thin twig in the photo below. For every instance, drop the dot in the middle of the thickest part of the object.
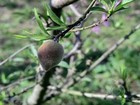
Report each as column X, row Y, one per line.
column 94, row 65
column 74, row 50
column 75, row 11
column 71, row 71
column 107, row 53
column 23, row 91
column 63, row 33
column 58, row 4
column 100, row 96
column 91, row 26
column 78, row 43
column 16, row 83
column 14, row 54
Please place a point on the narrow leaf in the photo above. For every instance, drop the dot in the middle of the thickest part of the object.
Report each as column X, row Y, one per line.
column 53, row 16
column 33, row 49
column 3, row 78
column 97, row 8
column 55, row 28
column 67, row 35
column 124, row 2
column 39, row 37
column 40, row 22
column 113, row 1
column 104, row 3
column 63, row 64
column 121, row 6
column 21, row 36
column 116, row 10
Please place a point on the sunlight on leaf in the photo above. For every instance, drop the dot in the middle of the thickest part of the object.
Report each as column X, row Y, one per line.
column 97, row 8
column 40, row 22
column 53, row 16
column 33, row 49
column 21, row 36
column 63, row 64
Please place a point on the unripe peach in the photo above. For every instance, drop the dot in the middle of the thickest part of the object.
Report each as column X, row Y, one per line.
column 50, row 54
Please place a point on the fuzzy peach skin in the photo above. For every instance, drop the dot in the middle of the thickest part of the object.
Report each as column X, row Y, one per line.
column 50, row 53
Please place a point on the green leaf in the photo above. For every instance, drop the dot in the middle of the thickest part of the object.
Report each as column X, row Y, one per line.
column 63, row 64
column 55, row 28
column 14, row 75
column 18, row 59
column 21, row 36
column 3, row 94
column 123, row 100
column 53, row 16
column 121, row 6
column 113, row 1
column 125, row 2
column 117, row 24
column 116, row 10
column 1, row 103
column 67, row 35
column 24, row 83
column 104, row 3
column 37, row 37
column 97, row 8
column 44, row 16
column 87, row 79
column 33, row 49
column 40, row 22
column 123, row 71
column 3, row 78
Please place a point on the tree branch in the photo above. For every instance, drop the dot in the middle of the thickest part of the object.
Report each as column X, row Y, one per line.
column 16, row 83
column 102, row 96
column 108, row 52
column 61, row 3
column 62, row 34
column 14, row 54
column 73, row 81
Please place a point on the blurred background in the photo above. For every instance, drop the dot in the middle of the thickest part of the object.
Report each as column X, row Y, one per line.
column 17, row 18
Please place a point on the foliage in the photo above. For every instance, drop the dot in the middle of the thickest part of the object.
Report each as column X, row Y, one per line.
column 123, row 64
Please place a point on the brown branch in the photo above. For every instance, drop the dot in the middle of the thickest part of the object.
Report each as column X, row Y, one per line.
column 108, row 52
column 56, row 6
column 41, row 87
column 78, row 42
column 73, row 81
column 78, row 22
column 91, row 26
column 13, row 98
column 61, row 3
column 102, row 96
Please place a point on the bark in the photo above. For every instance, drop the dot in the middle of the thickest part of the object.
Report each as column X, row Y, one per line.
column 36, row 98
column 61, row 3
column 56, row 6
column 40, row 89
